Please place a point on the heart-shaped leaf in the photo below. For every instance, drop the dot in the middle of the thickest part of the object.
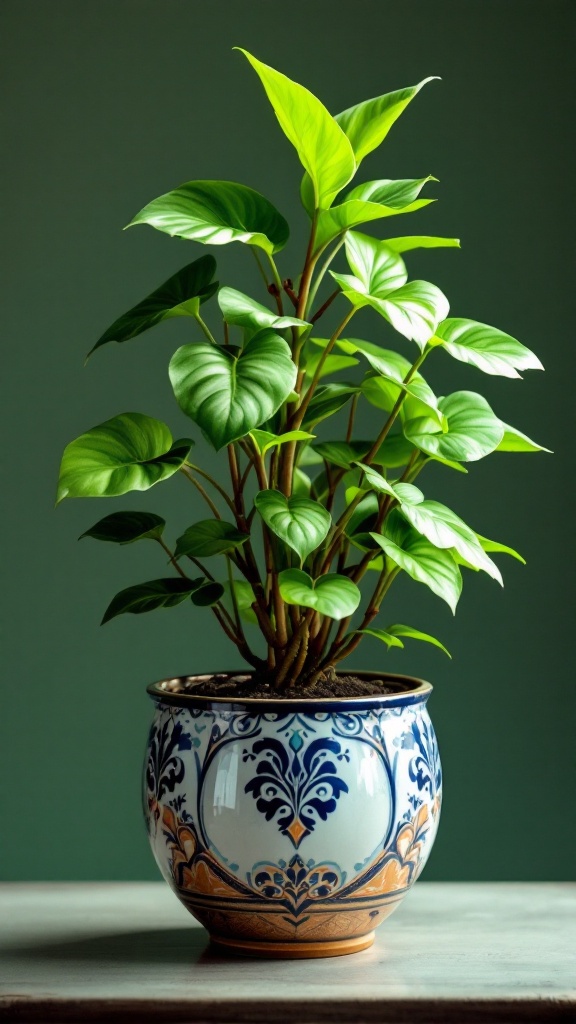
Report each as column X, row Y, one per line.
column 391, row 636
column 424, row 562
column 372, row 201
column 180, row 295
column 228, row 394
column 300, row 522
column 514, row 440
column 485, row 347
column 322, row 146
column 146, row 597
column 367, row 124
column 473, row 430
column 127, row 527
column 209, row 537
column 130, row 452
column 215, row 213
column 332, row 595
column 242, row 311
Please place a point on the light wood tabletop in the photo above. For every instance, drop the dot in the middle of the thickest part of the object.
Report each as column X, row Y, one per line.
column 130, row 952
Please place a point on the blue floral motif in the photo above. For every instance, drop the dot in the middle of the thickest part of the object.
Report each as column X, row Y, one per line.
column 297, row 788
column 425, row 769
column 297, row 880
column 165, row 769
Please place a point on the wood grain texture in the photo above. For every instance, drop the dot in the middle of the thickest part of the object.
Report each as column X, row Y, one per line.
column 465, row 953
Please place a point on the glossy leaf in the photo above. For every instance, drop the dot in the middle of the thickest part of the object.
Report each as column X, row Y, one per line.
column 328, row 399
column 410, row 242
column 228, row 394
column 181, row 295
column 127, row 527
column 391, row 636
column 130, row 452
column 376, row 269
column 332, row 595
column 443, row 528
column 514, row 440
column 215, row 213
column 485, row 347
column 383, row 635
column 332, row 364
column 369, row 202
column 300, row 523
column 244, row 597
column 242, row 311
column 424, row 562
column 367, row 124
column 473, row 430
column 414, row 310
column 265, row 440
column 146, row 597
column 209, row 537
column 322, row 146
column 207, row 595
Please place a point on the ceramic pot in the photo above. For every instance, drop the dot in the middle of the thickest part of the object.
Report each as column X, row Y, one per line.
column 292, row 828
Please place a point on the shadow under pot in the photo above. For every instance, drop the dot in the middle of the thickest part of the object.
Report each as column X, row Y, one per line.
column 292, row 828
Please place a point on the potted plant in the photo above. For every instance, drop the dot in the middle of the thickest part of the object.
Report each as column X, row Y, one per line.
column 292, row 805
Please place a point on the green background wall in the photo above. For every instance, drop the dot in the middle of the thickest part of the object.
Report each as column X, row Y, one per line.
column 110, row 103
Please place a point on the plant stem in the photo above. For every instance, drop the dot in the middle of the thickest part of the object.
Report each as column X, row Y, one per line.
column 204, row 327
column 320, row 275
column 171, row 558
column 325, row 306
column 215, row 484
column 202, row 491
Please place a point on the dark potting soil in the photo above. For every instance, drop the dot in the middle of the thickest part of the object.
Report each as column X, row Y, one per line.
column 245, row 686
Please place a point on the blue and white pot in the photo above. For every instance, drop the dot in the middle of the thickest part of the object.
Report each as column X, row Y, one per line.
column 292, row 828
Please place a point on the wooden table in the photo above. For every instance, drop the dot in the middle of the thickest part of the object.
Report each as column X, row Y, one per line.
column 129, row 952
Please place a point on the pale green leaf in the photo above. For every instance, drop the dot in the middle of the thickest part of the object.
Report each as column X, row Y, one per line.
column 265, row 440
column 381, row 634
column 473, row 430
column 485, row 347
column 409, row 242
column 228, row 394
column 215, row 213
column 514, row 440
column 444, row 529
column 399, row 630
column 209, row 537
column 240, row 310
column 322, row 146
column 127, row 527
column 369, row 202
column 332, row 595
column 244, row 598
column 300, row 523
column 130, row 452
column 496, row 547
column 367, row 124
column 180, row 295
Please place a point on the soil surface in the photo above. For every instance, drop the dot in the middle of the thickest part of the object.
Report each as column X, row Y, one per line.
column 243, row 686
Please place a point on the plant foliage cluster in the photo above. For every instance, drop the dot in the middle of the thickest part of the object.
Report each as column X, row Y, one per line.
column 307, row 518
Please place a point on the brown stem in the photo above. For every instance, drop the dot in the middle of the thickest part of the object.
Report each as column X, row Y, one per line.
column 325, row 306
column 289, row 289
column 171, row 558
column 203, row 492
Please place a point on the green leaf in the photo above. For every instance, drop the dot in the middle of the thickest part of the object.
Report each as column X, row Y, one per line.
column 342, row 453
column 444, row 529
column 473, row 430
column 332, row 364
column 372, row 201
column 207, row 595
column 391, row 636
column 424, row 562
column 379, row 279
column 485, row 347
column 127, row 527
column 364, row 516
column 215, row 213
column 242, row 311
column 228, row 394
column 328, row 399
column 322, row 146
column 180, row 295
column 301, row 484
column 332, row 595
column 300, row 522
column 496, row 547
column 145, row 597
column 130, row 452
column 264, row 440
column 514, row 440
column 209, row 537
column 245, row 598
column 367, row 124
column 383, row 635
column 409, row 242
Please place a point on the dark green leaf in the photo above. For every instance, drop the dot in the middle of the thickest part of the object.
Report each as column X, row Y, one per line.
column 207, row 595
column 145, row 597
column 209, row 537
column 328, row 399
column 127, row 527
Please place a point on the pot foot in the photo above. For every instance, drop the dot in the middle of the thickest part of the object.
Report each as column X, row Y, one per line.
column 293, row 950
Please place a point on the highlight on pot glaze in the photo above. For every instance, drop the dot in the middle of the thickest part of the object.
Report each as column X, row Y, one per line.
column 292, row 828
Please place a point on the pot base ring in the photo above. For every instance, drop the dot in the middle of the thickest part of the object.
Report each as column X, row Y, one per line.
column 293, row 950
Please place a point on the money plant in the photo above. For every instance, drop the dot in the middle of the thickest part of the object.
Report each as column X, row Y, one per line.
column 316, row 523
